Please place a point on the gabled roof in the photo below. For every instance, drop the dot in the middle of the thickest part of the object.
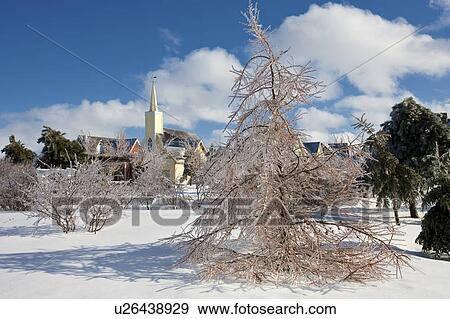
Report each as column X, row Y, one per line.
column 178, row 138
column 336, row 146
column 312, row 147
column 340, row 148
column 91, row 142
column 315, row 148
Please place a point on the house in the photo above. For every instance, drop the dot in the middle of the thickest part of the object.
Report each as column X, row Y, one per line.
column 175, row 145
column 340, row 149
column 314, row 148
column 179, row 145
column 322, row 149
column 98, row 145
column 116, row 151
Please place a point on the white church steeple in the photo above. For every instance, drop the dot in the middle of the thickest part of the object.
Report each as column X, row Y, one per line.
column 153, row 100
column 153, row 119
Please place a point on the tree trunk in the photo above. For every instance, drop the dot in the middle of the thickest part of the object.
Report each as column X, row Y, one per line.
column 395, row 205
column 413, row 209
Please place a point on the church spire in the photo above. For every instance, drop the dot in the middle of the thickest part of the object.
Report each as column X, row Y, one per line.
column 153, row 119
column 153, row 100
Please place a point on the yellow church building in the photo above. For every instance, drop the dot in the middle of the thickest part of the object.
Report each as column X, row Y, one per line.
column 176, row 145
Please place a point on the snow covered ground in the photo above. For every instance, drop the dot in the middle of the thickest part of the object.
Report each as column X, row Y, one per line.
column 125, row 261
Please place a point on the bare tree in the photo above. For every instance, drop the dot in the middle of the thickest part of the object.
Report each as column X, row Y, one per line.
column 15, row 178
column 288, row 234
column 151, row 180
column 194, row 167
column 121, row 148
column 57, row 195
column 98, row 187
column 88, row 143
column 53, row 186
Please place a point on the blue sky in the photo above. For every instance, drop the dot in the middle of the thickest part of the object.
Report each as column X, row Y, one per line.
column 190, row 45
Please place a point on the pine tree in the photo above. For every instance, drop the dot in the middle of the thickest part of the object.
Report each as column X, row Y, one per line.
column 390, row 179
column 58, row 151
column 16, row 152
column 435, row 234
column 415, row 134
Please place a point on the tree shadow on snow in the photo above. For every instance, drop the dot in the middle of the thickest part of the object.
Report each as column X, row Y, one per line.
column 126, row 262
column 410, row 221
column 25, row 231
column 129, row 262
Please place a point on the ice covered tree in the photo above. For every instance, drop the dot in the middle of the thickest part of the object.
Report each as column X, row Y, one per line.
column 390, row 180
column 101, row 196
column 435, row 234
column 84, row 191
column 14, row 179
column 193, row 164
column 194, row 167
column 285, row 232
column 151, row 180
column 416, row 133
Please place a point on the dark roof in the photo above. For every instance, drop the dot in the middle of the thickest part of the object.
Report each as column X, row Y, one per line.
column 312, row 147
column 113, row 142
column 177, row 138
column 335, row 146
column 339, row 148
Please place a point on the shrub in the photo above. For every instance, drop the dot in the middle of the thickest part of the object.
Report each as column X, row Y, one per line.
column 15, row 180
column 58, row 194
column 150, row 180
column 435, row 234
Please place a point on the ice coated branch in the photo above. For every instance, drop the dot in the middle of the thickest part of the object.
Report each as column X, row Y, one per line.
column 297, row 228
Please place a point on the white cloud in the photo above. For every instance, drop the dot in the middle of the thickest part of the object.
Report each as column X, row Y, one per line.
column 313, row 118
column 378, row 108
column 193, row 89
column 329, row 137
column 217, row 137
column 439, row 106
column 328, row 126
column 96, row 118
column 196, row 87
column 320, row 125
column 171, row 40
column 444, row 19
column 336, row 38
column 343, row 137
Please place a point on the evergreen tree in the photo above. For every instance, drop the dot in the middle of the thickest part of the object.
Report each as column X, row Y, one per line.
column 390, row 179
column 16, row 152
column 414, row 132
column 415, row 135
column 435, row 234
column 59, row 151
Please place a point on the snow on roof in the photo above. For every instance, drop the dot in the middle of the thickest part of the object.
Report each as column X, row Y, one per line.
column 112, row 141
